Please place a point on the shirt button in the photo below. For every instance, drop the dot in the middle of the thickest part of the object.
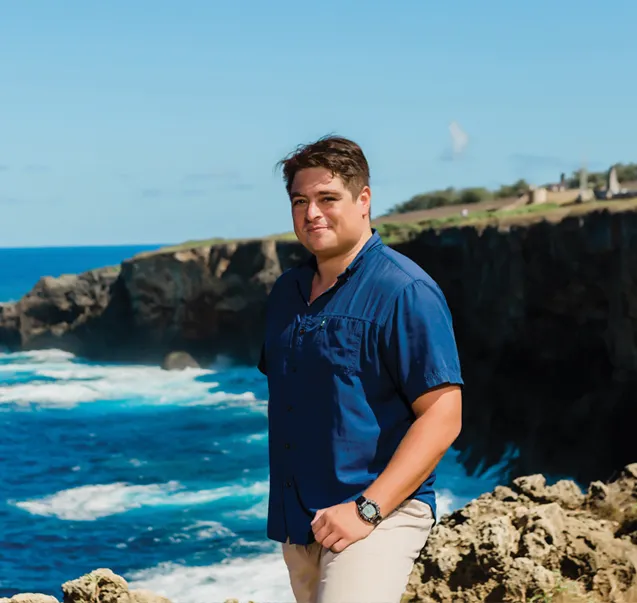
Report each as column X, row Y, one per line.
column 288, row 484
column 289, row 409
column 287, row 446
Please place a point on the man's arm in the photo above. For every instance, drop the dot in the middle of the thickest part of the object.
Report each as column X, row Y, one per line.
column 437, row 425
column 421, row 355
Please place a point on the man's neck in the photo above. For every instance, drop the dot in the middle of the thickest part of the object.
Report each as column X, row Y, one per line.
column 329, row 269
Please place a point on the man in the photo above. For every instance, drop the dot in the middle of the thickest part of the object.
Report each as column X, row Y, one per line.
column 364, row 391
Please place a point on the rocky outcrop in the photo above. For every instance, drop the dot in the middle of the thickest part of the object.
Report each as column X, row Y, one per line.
column 545, row 316
column 533, row 542
column 203, row 301
column 86, row 314
column 177, row 361
column 100, row 586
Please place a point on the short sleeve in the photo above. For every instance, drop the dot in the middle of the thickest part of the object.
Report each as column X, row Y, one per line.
column 262, row 366
column 419, row 342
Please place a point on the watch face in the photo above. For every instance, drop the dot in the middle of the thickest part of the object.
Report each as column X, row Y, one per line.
column 369, row 511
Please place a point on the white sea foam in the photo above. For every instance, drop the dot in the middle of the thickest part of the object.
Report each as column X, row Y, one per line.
column 77, row 383
column 262, row 578
column 446, row 502
column 257, row 437
column 207, row 530
column 88, row 503
column 43, row 356
column 258, row 511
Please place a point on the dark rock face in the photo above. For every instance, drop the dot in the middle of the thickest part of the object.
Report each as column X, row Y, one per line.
column 545, row 317
column 86, row 314
column 546, row 322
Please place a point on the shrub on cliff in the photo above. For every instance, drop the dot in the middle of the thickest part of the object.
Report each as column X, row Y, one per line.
column 449, row 196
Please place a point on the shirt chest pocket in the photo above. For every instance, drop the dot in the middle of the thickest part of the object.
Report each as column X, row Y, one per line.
column 335, row 344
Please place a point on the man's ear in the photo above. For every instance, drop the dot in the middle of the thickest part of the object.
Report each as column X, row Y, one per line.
column 365, row 199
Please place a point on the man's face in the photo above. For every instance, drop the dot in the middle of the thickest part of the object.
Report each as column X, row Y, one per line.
column 328, row 221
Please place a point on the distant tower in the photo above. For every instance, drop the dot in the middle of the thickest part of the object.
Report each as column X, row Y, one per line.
column 583, row 179
column 612, row 183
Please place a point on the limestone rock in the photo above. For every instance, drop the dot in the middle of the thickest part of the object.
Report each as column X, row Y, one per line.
column 104, row 586
column 142, row 595
column 545, row 541
column 100, row 585
column 176, row 361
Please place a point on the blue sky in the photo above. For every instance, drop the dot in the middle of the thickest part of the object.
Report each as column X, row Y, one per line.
column 154, row 121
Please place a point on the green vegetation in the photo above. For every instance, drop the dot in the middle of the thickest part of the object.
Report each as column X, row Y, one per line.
column 463, row 196
column 449, row 196
column 188, row 245
column 393, row 232
column 466, row 196
column 564, row 591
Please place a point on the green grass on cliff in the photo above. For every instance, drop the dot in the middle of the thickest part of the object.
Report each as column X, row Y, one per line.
column 399, row 231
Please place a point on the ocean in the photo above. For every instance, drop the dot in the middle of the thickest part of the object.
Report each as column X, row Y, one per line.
column 160, row 476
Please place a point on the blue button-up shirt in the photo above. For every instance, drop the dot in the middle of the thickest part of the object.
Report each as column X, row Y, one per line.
column 342, row 374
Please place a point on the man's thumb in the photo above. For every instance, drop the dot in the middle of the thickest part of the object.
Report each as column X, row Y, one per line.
column 317, row 515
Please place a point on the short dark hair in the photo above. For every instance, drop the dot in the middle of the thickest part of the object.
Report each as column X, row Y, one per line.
column 343, row 157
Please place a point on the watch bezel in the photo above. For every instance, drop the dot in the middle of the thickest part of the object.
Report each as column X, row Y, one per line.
column 361, row 503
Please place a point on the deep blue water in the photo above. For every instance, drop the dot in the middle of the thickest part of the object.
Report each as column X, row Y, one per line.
column 20, row 268
column 160, row 476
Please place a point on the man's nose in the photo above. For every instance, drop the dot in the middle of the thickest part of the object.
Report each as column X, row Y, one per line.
column 312, row 212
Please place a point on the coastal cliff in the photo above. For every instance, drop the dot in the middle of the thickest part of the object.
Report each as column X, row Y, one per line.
column 545, row 316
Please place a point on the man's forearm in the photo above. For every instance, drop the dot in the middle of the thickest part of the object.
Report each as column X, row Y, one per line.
column 417, row 455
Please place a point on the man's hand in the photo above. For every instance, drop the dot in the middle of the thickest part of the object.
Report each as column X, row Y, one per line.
column 339, row 526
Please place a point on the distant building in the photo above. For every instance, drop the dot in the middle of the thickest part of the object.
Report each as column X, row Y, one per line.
column 537, row 195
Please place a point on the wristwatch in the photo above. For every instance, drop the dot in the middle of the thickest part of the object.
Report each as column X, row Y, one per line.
column 368, row 510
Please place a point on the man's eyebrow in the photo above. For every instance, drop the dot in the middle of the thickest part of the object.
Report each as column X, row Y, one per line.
column 323, row 192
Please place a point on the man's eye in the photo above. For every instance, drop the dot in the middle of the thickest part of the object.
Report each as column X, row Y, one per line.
column 297, row 201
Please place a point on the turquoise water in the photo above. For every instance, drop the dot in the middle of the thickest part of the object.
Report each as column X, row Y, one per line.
column 160, row 476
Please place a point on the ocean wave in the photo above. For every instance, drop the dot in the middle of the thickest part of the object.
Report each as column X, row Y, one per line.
column 67, row 385
column 39, row 356
column 261, row 578
column 205, row 530
column 88, row 503
column 258, row 511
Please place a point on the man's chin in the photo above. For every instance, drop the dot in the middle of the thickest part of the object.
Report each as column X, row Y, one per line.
column 320, row 240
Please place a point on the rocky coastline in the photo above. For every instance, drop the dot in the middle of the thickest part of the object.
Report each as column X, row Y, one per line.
column 525, row 542
column 545, row 316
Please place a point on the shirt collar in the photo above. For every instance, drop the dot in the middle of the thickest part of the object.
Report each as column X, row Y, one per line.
column 371, row 243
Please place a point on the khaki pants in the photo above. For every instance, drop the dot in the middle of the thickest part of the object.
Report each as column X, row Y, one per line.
column 373, row 570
